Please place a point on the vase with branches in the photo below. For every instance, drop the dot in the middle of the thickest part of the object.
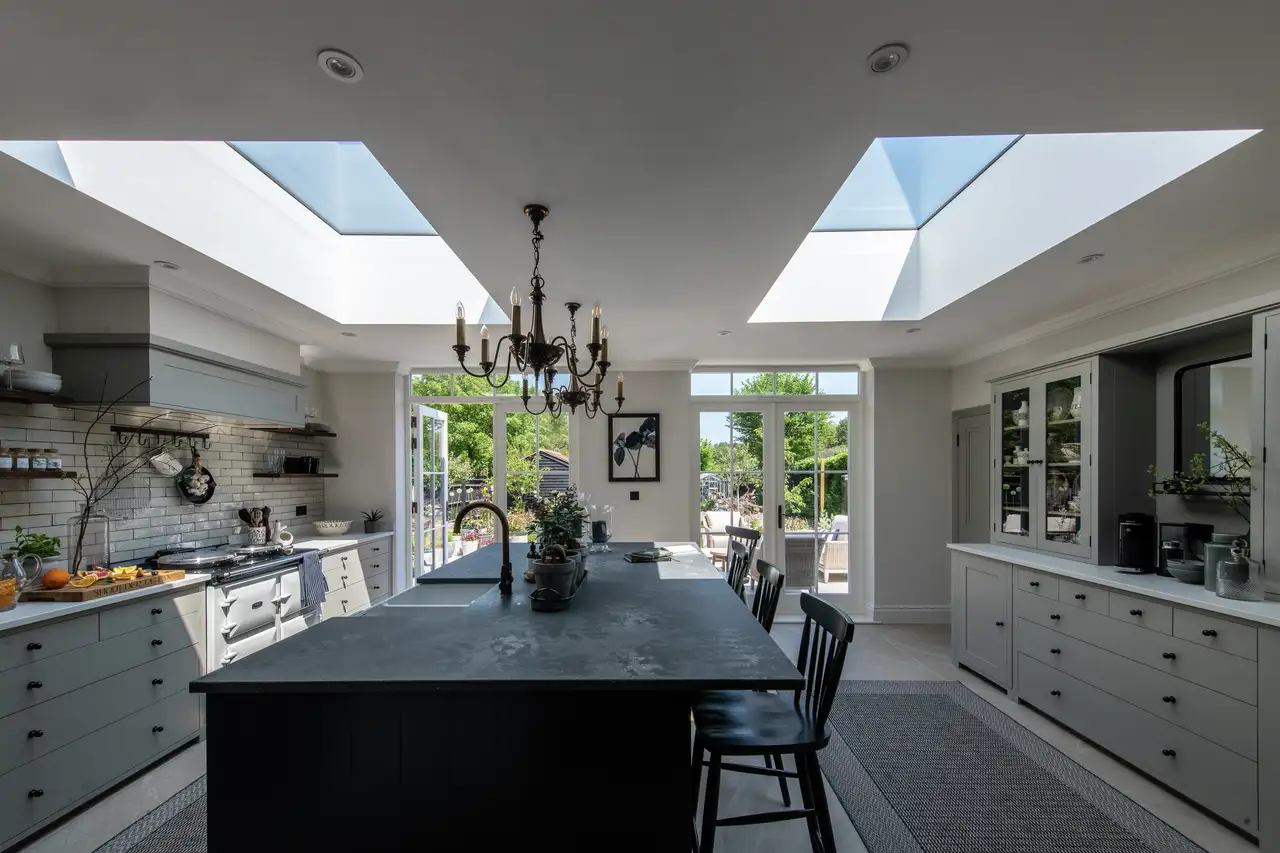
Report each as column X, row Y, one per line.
column 1229, row 477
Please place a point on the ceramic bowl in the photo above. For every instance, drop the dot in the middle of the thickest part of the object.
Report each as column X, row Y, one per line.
column 332, row 528
column 1071, row 451
column 1186, row 571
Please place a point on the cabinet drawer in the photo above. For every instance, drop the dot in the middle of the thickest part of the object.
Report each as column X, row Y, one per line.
column 68, row 775
column 1216, row 670
column 24, row 647
column 1230, row 637
column 380, row 550
column 1225, row 721
column 348, row 561
column 1079, row 595
column 149, row 611
column 342, row 577
column 1140, row 611
column 26, row 686
column 373, row 566
column 378, row 587
column 346, row 601
column 244, row 647
column 1037, row 584
column 1218, row 779
column 40, row 730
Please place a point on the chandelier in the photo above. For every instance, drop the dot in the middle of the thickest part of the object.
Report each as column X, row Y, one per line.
column 534, row 353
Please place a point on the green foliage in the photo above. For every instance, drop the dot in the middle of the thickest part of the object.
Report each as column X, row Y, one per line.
column 559, row 518
column 554, row 554
column 1231, row 480
column 373, row 516
column 36, row 543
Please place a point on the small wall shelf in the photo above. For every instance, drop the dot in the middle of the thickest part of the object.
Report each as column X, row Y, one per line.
column 266, row 476
column 33, row 398
column 58, row 474
column 298, row 431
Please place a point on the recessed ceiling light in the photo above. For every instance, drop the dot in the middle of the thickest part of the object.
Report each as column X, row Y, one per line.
column 341, row 66
column 166, row 265
column 887, row 57
column 913, row 330
column 724, row 333
column 348, row 334
column 1088, row 259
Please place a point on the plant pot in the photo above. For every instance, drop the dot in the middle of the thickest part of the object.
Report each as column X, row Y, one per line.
column 469, row 546
column 373, row 527
column 558, row 577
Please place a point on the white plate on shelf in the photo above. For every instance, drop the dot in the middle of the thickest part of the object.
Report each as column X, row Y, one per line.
column 32, row 380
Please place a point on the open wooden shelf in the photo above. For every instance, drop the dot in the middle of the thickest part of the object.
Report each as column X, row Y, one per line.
column 298, row 431
column 264, row 476
column 32, row 398
column 58, row 474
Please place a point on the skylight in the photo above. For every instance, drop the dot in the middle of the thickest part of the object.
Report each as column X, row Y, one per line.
column 340, row 182
column 902, row 181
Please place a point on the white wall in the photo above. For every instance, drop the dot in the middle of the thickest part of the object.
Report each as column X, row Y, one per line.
column 361, row 409
column 910, row 491
column 27, row 311
column 665, row 509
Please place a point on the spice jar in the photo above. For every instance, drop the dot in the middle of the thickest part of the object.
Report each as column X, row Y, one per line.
column 21, row 461
column 52, row 459
column 6, row 460
column 38, row 460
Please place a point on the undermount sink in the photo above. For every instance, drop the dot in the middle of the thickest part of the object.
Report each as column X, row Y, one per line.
column 441, row 595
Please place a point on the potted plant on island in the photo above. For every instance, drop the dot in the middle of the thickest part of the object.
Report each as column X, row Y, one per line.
column 373, row 521
column 556, row 572
column 559, row 520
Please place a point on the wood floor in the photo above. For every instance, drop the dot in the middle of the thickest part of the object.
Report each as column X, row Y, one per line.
column 878, row 652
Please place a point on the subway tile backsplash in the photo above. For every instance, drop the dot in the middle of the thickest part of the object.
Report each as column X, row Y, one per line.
column 148, row 513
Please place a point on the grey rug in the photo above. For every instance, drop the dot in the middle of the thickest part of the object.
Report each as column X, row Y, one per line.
column 930, row 767
column 178, row 825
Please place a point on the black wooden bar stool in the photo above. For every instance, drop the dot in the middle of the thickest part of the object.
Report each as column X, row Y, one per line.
column 733, row 723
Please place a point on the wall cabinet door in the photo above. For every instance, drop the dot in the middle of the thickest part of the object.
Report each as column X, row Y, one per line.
column 982, row 603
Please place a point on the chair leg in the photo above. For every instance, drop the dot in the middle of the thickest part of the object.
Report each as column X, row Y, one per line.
column 782, row 780
column 711, row 805
column 695, row 776
column 820, row 801
column 806, row 797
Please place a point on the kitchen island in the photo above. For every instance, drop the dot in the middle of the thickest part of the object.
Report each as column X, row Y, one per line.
column 406, row 728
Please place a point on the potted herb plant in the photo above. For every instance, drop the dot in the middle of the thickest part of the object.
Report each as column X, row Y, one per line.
column 373, row 521
column 555, row 571
column 47, row 551
column 559, row 520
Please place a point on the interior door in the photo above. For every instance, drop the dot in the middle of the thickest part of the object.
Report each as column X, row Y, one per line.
column 972, row 468
column 431, row 480
column 734, row 449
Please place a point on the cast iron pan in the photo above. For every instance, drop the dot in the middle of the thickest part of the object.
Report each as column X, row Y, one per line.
column 192, row 478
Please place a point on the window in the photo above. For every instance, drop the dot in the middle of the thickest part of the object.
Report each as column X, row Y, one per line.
column 753, row 384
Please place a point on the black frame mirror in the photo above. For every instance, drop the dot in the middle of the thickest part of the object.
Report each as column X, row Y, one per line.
column 1188, row 438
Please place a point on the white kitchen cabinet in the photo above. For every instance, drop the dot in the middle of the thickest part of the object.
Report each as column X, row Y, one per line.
column 981, row 622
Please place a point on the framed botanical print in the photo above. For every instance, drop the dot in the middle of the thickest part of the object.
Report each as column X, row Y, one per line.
column 634, row 449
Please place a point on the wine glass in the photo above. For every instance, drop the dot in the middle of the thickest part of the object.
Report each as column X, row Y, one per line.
column 12, row 355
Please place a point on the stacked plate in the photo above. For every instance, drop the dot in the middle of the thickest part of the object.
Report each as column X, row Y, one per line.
column 31, row 380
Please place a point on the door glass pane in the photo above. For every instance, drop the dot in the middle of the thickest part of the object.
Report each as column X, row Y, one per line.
column 815, row 501
column 537, row 463
column 730, row 478
column 1015, row 451
column 1063, row 399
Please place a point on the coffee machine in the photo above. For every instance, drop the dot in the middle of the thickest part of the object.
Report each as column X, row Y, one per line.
column 1136, row 553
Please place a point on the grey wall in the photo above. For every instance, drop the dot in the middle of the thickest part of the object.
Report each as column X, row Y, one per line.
column 27, row 311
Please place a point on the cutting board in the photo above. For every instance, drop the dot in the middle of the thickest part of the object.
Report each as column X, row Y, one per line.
column 101, row 589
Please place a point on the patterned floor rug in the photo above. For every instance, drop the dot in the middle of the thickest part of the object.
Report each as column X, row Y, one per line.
column 930, row 767
column 178, row 825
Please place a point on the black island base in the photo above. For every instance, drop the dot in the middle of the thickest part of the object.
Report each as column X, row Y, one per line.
column 490, row 728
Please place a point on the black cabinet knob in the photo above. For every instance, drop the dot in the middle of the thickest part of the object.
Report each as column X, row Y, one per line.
column 1169, row 699
column 1135, row 612
column 157, row 642
column 999, row 624
column 1055, row 616
column 1034, row 583
column 1055, row 651
column 34, row 647
column 1209, row 632
column 1169, row 656
column 1169, row 752
column 377, row 549
column 1079, row 596
column 156, row 611
column 35, row 733
column 344, row 577
column 157, row 729
column 34, row 793
column 34, row 685
column 157, row 681
column 1055, row 692
column 377, row 587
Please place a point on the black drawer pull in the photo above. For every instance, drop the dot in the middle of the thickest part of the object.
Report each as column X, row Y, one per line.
column 157, row 681
column 1033, row 583
column 1055, row 651
column 344, row 559
column 157, row 642
column 344, row 577
column 34, row 733
column 376, row 566
column 156, row 611
column 1169, row 656
column 157, row 729
column 1170, row 699
column 34, row 793
column 377, row 587
column 34, row 647
column 34, row 685
column 344, row 602
column 1055, row 692
column 377, row 549
column 1169, row 752
column 1079, row 596
column 1135, row 612
column 1209, row 632
column 1055, row 616
column 999, row 624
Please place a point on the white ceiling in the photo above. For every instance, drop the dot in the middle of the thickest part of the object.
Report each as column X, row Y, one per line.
column 684, row 149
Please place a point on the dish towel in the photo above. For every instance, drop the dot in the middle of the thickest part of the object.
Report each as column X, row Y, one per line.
column 314, row 584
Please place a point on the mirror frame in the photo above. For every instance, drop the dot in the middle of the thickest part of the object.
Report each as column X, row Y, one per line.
column 1177, row 406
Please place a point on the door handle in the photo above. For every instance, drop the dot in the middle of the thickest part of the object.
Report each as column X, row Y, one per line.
column 779, row 516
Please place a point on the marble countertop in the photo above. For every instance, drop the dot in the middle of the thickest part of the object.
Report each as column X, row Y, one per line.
column 1152, row 586
column 329, row 544
column 29, row 613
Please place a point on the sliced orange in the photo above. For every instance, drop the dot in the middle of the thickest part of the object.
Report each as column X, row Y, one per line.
column 81, row 583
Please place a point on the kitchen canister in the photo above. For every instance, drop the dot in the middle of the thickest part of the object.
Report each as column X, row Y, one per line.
column 1215, row 551
column 1240, row 576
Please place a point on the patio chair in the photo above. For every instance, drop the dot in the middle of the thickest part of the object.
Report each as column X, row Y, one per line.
column 715, row 537
column 834, row 559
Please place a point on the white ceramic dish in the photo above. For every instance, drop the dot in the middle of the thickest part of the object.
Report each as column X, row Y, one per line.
column 44, row 383
column 332, row 528
column 1071, row 452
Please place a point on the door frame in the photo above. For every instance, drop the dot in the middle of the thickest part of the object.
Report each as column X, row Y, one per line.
column 419, row 414
column 957, row 487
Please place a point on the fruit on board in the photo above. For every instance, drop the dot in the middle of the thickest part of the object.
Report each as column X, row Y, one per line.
column 81, row 583
column 55, row 578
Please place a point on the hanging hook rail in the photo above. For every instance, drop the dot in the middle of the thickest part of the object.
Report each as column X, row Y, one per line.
column 146, row 436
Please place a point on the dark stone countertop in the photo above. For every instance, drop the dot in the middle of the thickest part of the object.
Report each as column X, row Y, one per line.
column 630, row 628
column 484, row 565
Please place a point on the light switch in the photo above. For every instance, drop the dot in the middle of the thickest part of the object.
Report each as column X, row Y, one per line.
column 635, row 496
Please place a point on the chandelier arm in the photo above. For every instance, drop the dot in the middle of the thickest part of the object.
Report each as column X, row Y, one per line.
column 571, row 358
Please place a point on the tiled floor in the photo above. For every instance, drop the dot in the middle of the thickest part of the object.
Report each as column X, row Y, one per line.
column 878, row 652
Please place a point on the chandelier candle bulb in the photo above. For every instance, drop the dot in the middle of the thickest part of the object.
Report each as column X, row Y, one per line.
column 604, row 343
column 484, row 344
column 515, row 313
column 462, row 326
column 619, row 386
column 524, row 383
column 595, row 324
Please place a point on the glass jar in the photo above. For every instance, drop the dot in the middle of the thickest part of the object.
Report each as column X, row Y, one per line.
column 38, row 460
column 12, row 580
column 6, row 460
column 88, row 541
column 1239, row 576
column 21, row 461
column 601, row 529
column 53, row 460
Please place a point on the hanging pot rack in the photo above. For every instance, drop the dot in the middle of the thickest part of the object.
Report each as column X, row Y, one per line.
column 146, row 436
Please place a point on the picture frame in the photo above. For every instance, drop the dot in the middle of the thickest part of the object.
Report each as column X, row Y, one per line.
column 634, row 447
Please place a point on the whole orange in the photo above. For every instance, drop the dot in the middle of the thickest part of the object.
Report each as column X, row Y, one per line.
column 55, row 579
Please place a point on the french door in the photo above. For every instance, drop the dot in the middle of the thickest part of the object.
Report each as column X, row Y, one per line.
column 430, row 466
